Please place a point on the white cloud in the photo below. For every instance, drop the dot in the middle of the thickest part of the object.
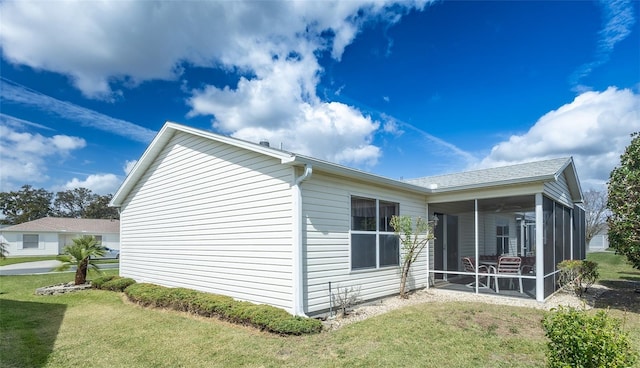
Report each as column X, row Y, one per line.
column 15, row 93
column 128, row 166
column 105, row 40
column 594, row 128
column 23, row 155
column 618, row 21
column 98, row 183
column 274, row 43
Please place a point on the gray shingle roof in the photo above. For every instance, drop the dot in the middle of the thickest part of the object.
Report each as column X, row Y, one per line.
column 59, row 224
column 520, row 173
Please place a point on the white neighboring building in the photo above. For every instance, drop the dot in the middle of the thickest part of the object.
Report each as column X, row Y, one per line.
column 48, row 236
column 600, row 242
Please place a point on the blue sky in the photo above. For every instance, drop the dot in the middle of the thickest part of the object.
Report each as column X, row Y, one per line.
column 400, row 89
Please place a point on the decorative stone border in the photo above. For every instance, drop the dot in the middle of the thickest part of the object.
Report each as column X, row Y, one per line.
column 61, row 288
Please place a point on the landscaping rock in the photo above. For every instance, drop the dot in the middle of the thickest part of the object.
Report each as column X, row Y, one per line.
column 62, row 288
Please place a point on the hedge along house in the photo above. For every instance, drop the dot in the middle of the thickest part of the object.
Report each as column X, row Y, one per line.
column 226, row 216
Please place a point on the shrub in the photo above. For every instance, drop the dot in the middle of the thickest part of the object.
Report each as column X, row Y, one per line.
column 577, row 276
column 99, row 281
column 264, row 317
column 578, row 339
column 118, row 284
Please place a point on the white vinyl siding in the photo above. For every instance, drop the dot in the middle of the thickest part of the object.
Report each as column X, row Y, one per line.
column 47, row 243
column 326, row 202
column 559, row 191
column 211, row 217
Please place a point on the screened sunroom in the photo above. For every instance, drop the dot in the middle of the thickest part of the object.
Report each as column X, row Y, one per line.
column 503, row 231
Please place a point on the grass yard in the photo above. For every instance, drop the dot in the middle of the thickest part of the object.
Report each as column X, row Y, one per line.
column 100, row 329
column 614, row 267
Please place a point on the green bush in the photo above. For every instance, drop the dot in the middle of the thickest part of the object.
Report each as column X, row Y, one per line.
column 113, row 283
column 98, row 282
column 577, row 276
column 578, row 339
column 264, row 317
column 118, row 284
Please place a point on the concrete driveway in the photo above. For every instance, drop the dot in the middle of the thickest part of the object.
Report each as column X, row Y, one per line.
column 29, row 267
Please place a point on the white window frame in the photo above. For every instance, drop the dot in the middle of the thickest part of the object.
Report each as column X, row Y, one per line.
column 504, row 238
column 377, row 234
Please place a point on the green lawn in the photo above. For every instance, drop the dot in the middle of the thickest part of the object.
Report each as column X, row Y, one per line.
column 100, row 329
column 614, row 267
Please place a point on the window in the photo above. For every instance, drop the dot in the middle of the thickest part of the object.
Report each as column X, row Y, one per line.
column 502, row 237
column 98, row 239
column 30, row 241
column 373, row 243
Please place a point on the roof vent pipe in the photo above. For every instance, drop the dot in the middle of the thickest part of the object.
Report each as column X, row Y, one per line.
column 264, row 142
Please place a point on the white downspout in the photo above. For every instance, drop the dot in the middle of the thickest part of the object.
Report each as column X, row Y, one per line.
column 298, row 290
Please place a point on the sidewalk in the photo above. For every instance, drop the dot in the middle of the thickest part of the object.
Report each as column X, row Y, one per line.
column 31, row 265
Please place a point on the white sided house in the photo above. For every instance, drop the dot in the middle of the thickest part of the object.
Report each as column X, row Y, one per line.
column 49, row 235
column 226, row 216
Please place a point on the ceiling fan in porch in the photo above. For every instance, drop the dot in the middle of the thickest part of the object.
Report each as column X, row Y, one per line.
column 505, row 207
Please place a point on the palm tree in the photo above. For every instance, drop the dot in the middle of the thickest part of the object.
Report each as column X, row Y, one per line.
column 79, row 254
column 3, row 250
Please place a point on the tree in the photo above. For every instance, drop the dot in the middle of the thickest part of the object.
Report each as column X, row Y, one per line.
column 73, row 202
column 413, row 239
column 624, row 203
column 27, row 204
column 80, row 254
column 595, row 208
column 3, row 250
column 99, row 208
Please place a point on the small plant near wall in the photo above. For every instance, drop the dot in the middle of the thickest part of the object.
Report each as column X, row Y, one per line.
column 577, row 276
column 344, row 299
column 414, row 237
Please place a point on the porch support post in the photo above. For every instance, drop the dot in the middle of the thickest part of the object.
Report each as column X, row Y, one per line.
column 428, row 251
column 475, row 210
column 539, row 249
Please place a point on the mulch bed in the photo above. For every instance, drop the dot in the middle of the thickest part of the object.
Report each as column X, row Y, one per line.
column 623, row 295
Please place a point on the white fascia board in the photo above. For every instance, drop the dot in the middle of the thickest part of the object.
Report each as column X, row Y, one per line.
column 500, row 183
column 154, row 148
column 574, row 182
column 269, row 151
column 344, row 171
column 162, row 138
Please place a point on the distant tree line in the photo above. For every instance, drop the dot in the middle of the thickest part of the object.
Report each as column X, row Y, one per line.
column 28, row 204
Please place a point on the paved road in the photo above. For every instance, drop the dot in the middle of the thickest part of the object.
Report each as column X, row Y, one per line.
column 31, row 268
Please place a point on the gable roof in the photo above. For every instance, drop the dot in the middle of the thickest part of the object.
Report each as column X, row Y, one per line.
column 287, row 158
column 530, row 172
column 61, row 224
column 540, row 171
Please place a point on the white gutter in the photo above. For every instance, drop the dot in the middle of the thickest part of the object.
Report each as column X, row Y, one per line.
column 298, row 289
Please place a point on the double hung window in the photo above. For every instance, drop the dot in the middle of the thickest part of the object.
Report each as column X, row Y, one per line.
column 502, row 238
column 373, row 242
column 30, row 241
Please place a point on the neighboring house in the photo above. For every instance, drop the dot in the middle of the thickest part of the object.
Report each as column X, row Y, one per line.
column 49, row 235
column 231, row 217
column 600, row 242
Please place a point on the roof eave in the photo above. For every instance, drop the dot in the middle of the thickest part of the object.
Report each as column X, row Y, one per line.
column 165, row 134
column 530, row 180
column 336, row 169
